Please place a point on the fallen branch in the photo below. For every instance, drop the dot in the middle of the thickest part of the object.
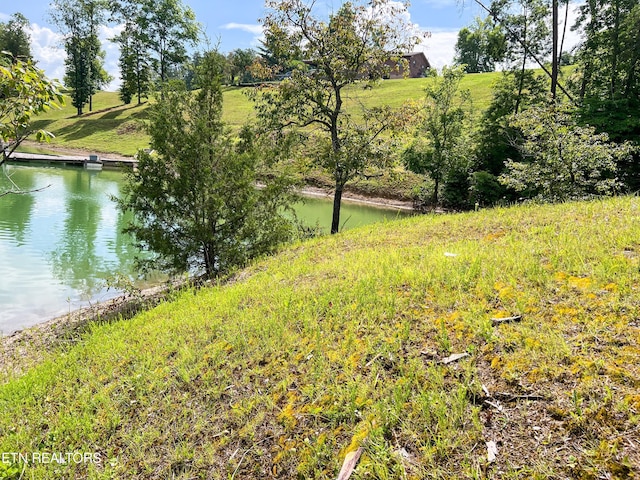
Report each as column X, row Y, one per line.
column 498, row 321
column 507, row 397
column 23, row 192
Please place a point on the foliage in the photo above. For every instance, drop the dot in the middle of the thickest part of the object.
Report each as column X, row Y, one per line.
column 276, row 60
column 527, row 32
column 25, row 92
column 457, row 185
column 194, row 195
column 166, row 28
column 135, row 69
column 607, row 80
column 356, row 44
column 239, row 65
column 14, row 37
column 495, row 137
column 480, row 46
column 485, row 190
column 562, row 160
column 439, row 147
column 609, row 56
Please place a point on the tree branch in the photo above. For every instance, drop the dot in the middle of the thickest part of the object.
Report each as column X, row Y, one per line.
column 526, row 48
column 22, row 192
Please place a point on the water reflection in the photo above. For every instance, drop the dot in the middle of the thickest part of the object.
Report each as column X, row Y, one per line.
column 75, row 252
column 19, row 205
column 60, row 245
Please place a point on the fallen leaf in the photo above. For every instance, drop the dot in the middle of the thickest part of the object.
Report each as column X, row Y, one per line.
column 349, row 464
column 492, row 451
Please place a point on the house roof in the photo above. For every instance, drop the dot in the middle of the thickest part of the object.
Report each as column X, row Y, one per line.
column 415, row 54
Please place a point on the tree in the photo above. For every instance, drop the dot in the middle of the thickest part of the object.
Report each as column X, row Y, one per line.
column 274, row 60
column 166, row 26
column 562, row 160
column 239, row 62
column 436, row 148
column 608, row 75
column 357, row 43
column 527, row 38
column 135, row 70
column 495, row 136
column 480, row 46
column 195, row 198
column 85, row 73
column 14, row 37
column 25, row 92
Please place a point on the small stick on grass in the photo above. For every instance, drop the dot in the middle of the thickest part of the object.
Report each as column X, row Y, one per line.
column 454, row 358
column 498, row 321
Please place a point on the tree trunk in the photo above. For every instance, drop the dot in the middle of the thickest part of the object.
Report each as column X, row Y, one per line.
column 337, row 201
column 524, row 65
column 615, row 48
column 436, row 188
column 564, row 31
column 554, row 53
column 520, row 85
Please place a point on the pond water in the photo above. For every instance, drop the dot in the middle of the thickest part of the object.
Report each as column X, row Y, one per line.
column 60, row 246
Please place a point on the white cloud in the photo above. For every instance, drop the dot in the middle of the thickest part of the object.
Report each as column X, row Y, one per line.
column 47, row 49
column 4, row 17
column 112, row 57
column 439, row 48
column 245, row 27
column 46, row 46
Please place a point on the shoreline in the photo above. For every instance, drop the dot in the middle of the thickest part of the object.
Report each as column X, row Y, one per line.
column 309, row 190
column 23, row 348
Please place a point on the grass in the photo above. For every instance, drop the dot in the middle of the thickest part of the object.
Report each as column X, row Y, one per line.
column 336, row 343
column 116, row 128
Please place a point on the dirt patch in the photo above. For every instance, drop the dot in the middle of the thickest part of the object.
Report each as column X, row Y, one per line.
column 129, row 128
column 64, row 150
column 357, row 198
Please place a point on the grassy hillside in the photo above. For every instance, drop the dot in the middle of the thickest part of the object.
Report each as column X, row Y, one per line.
column 116, row 128
column 337, row 343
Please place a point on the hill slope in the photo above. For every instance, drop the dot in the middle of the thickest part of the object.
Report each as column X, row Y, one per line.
column 337, row 343
column 116, row 128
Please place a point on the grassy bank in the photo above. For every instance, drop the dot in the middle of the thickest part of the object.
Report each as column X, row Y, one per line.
column 337, row 343
column 116, row 128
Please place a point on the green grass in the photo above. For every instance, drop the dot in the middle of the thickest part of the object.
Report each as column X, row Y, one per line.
column 116, row 128
column 335, row 343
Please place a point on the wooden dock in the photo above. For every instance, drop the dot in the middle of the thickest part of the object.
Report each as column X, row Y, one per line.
column 120, row 162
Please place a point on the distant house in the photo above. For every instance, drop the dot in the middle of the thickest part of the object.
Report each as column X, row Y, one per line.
column 417, row 64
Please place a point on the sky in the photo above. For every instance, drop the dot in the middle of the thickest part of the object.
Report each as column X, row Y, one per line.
column 235, row 25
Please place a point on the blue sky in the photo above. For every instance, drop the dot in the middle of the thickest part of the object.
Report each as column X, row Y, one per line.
column 235, row 24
